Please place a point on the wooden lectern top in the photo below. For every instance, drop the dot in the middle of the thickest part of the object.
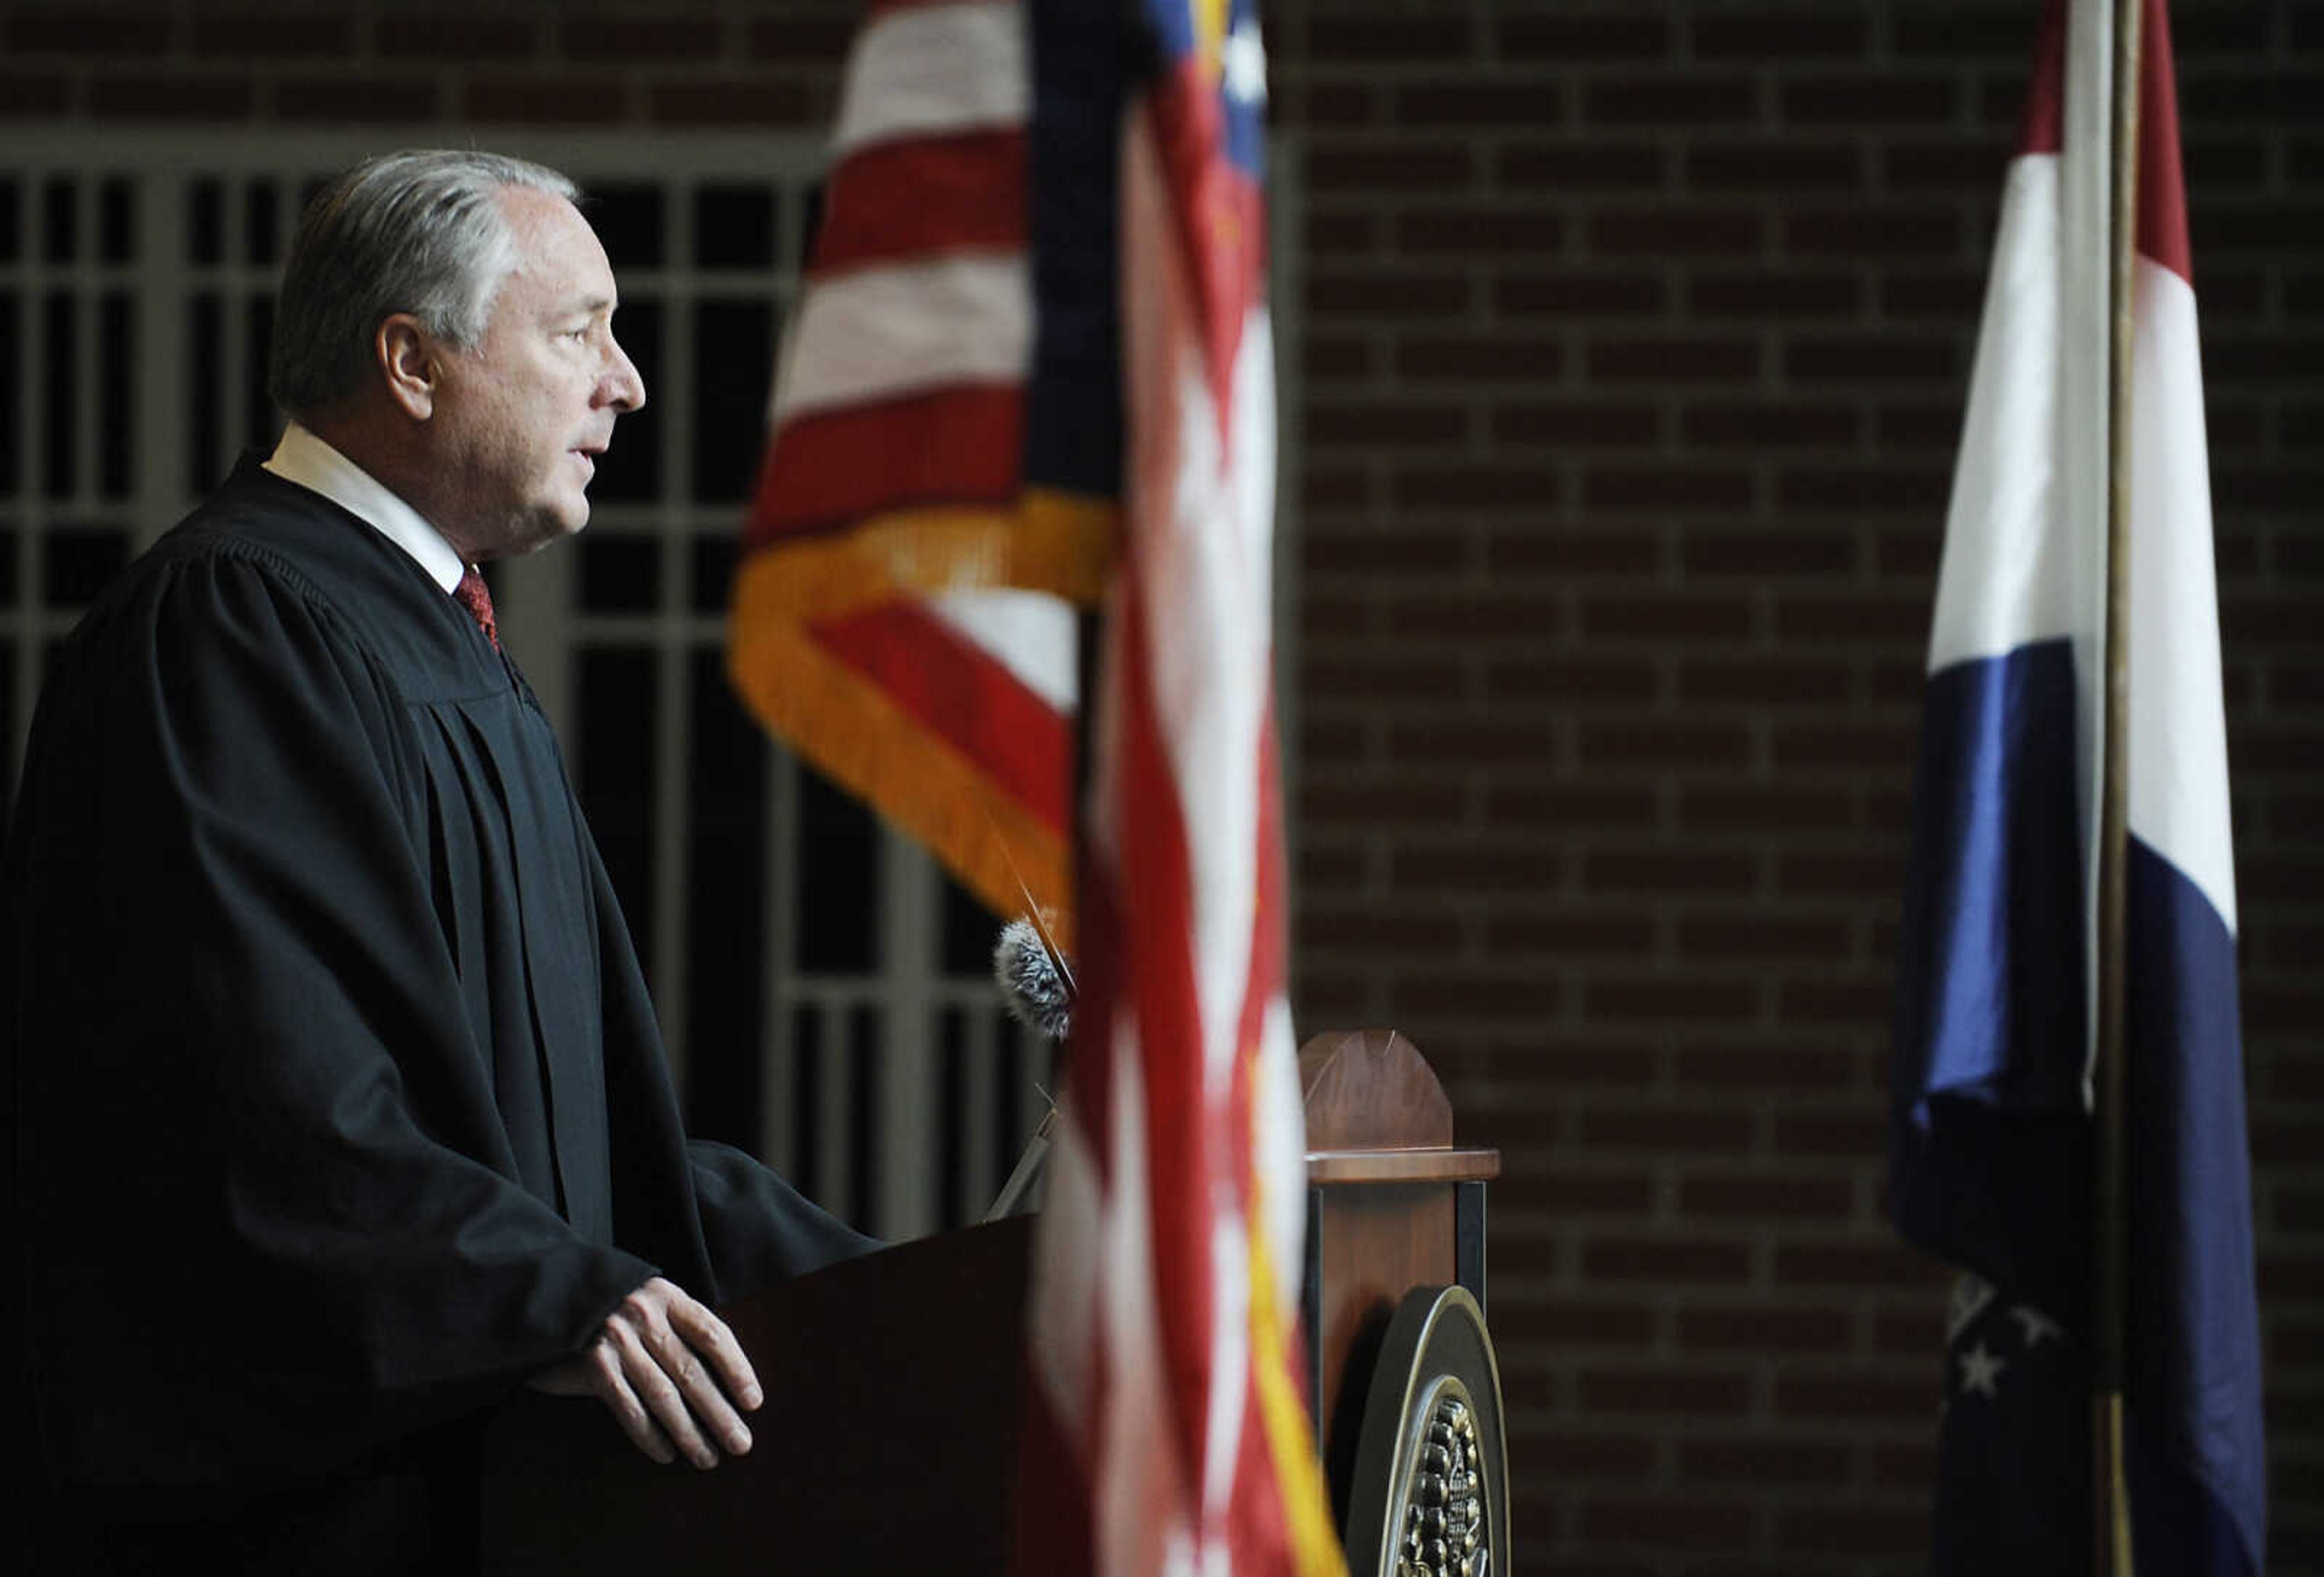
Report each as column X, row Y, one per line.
column 1375, row 1113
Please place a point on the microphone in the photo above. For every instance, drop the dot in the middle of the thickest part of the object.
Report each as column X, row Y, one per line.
column 1035, row 982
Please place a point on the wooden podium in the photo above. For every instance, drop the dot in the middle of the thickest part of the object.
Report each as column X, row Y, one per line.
column 888, row 1442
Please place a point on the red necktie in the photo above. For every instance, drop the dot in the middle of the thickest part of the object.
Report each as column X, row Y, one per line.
column 472, row 594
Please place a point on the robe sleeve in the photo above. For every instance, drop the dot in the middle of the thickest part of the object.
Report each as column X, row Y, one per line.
column 757, row 1228
column 271, row 1223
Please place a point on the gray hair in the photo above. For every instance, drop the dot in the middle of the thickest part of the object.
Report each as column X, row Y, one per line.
column 419, row 231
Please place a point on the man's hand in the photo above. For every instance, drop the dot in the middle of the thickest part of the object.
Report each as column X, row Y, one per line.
column 671, row 1374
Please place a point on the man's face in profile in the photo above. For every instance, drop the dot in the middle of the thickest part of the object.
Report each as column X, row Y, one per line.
column 530, row 406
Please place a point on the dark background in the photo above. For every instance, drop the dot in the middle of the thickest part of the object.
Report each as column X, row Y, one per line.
column 1634, row 343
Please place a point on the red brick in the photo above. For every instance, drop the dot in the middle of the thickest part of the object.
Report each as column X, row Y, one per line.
column 1511, row 804
column 1914, row 1330
column 357, row 98
column 1668, row 1523
column 106, row 31
column 1857, row 490
column 1335, row 801
column 1840, row 1265
column 1331, row 235
column 1623, row 683
column 1764, row 165
column 1685, row 1393
column 1666, row 1130
column 1723, row 937
column 1676, row 99
column 1754, row 1196
column 1371, row 424
column 1758, row 37
column 171, row 98
column 1363, row 680
column 1667, row 360
column 1579, row 1063
column 1864, row 616
column 1596, row 423
column 1330, row 359
column 1667, row 999
column 1479, row 234
column 1768, row 424
column 1704, row 745
column 1741, row 808
column 1367, row 292
column 1909, row 292
column 1565, row 293
column 1322, row 866
column 1933, row 425
column 565, row 99
column 1470, row 744
column 1499, row 358
column 1662, row 488
column 1674, row 232
column 1669, row 617
column 1947, row 165
column 1953, row 32
column 1907, row 233
column 1869, row 100
column 1783, row 295
column 2278, row 361
column 1567, row 1324
column 1824, row 871
column 1475, row 616
column 1496, row 485
column 1326, row 742
column 1566, row 552
column 1564, row 40
column 1565, row 1453
column 1851, row 1529
column 1367, row 933
column 1863, row 1137
column 1861, row 1001
column 1784, row 550
column 2287, row 94
column 1468, row 101
column 1556, row 1185
column 449, row 37
column 729, row 101
column 1871, row 744
column 1336, row 38
column 1785, row 1068
column 1762, row 1461
column 1592, row 934
column 1467, row 993
column 1368, row 170
column 639, row 40
column 1567, row 168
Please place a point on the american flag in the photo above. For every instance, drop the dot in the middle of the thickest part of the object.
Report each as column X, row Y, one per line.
column 938, row 483
column 1168, row 1430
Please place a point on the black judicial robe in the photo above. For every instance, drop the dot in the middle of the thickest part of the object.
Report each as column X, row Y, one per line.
column 340, row 1107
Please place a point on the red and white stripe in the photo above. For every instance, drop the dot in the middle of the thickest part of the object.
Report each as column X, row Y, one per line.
column 1166, row 1280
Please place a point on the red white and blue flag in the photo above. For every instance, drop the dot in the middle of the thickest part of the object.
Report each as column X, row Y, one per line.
column 937, row 489
column 1997, row 1020
column 1168, row 1431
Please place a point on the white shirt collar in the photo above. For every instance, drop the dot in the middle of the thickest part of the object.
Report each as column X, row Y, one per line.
column 315, row 466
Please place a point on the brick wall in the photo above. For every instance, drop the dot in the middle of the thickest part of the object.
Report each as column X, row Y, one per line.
column 1636, row 342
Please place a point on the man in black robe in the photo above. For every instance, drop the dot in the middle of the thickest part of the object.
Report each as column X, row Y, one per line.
column 339, row 1109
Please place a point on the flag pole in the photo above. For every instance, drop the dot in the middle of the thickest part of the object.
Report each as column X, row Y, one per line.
column 2109, row 1301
